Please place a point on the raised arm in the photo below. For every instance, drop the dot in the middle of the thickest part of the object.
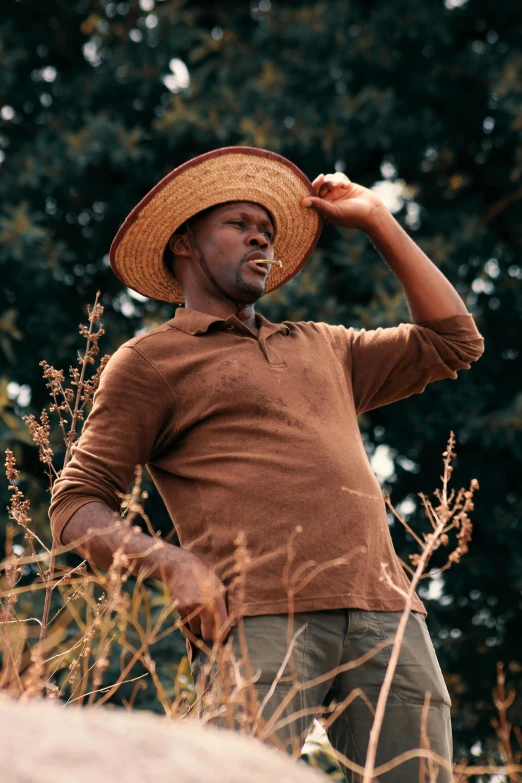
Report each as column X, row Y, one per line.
column 429, row 294
column 385, row 365
column 343, row 203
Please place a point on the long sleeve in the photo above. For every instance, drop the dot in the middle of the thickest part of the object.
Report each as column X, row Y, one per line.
column 134, row 415
column 386, row 365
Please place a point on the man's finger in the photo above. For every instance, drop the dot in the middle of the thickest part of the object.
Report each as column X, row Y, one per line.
column 221, row 615
column 329, row 187
column 318, row 181
column 195, row 625
column 320, row 205
column 208, row 622
column 214, row 620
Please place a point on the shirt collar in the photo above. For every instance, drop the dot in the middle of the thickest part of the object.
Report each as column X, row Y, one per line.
column 195, row 322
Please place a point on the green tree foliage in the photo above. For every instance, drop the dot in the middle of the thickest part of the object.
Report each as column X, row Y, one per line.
column 420, row 99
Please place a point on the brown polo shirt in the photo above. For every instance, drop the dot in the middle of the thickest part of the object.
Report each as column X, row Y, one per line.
column 260, row 434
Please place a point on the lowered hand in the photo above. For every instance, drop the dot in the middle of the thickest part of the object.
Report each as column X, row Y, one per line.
column 200, row 598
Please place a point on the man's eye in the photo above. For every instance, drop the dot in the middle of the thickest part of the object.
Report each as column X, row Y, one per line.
column 240, row 223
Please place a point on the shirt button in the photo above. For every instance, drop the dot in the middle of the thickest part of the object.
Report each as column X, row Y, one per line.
column 230, row 328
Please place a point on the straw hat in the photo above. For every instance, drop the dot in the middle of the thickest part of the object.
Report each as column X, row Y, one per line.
column 225, row 174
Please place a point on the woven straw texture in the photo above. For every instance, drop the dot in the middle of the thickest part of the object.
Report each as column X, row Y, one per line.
column 228, row 174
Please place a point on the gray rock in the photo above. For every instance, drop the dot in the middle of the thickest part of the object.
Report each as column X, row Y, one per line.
column 45, row 742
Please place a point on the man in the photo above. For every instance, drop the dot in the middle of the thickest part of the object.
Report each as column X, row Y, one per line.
column 251, row 427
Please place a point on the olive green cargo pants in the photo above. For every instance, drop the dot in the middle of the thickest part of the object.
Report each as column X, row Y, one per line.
column 338, row 638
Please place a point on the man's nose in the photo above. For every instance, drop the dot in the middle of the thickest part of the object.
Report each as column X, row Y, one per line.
column 258, row 239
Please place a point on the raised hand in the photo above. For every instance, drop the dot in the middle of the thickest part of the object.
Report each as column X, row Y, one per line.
column 344, row 203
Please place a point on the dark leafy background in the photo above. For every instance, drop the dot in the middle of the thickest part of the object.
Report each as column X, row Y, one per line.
column 424, row 97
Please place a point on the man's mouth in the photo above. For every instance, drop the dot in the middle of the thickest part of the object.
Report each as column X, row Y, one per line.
column 256, row 261
column 261, row 269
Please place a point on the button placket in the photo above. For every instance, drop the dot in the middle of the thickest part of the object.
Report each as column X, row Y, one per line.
column 271, row 354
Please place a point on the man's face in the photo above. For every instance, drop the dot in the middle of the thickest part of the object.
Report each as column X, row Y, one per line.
column 229, row 236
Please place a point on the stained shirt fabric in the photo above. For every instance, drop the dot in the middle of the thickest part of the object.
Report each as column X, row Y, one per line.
column 260, row 434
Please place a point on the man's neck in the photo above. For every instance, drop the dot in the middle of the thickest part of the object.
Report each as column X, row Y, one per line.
column 224, row 310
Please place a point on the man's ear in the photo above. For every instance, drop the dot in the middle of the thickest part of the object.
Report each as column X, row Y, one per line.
column 179, row 245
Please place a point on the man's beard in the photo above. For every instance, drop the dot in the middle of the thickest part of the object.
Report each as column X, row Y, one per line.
column 248, row 288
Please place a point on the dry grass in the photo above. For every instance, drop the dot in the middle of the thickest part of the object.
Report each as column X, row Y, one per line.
column 90, row 618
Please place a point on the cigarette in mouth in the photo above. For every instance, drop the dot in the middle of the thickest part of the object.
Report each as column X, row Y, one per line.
column 266, row 261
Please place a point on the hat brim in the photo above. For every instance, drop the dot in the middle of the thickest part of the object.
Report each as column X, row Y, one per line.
column 222, row 175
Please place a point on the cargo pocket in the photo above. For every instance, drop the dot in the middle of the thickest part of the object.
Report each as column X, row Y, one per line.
column 418, row 669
